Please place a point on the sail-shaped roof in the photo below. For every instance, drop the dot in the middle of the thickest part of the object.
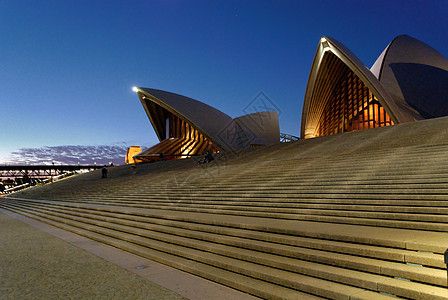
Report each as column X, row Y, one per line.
column 416, row 77
column 209, row 121
column 217, row 127
column 408, row 81
column 330, row 64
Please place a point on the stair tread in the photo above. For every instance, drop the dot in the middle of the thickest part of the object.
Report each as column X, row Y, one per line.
column 393, row 237
column 310, row 284
column 263, row 239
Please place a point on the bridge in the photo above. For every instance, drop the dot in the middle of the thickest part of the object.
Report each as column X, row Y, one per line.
column 42, row 171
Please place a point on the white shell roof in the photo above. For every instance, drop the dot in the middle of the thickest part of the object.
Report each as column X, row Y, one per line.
column 416, row 77
column 217, row 126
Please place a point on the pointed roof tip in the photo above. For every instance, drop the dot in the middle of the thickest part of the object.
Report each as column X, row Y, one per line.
column 326, row 38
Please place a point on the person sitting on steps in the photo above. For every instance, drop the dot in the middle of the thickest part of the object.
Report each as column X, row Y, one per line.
column 208, row 157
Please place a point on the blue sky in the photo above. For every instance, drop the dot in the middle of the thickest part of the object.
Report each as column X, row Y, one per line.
column 67, row 67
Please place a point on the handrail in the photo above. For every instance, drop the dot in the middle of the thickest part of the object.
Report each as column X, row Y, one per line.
column 16, row 188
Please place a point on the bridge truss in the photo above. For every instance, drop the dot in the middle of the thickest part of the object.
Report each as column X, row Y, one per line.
column 42, row 171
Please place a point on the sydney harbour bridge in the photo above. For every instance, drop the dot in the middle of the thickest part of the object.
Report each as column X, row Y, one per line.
column 42, row 171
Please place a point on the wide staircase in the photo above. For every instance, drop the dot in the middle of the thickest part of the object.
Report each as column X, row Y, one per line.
column 360, row 215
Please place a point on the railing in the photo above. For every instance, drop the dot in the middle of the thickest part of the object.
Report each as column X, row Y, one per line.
column 16, row 188
column 44, row 181
column 286, row 138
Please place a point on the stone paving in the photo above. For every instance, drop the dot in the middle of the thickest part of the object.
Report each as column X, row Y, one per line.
column 37, row 265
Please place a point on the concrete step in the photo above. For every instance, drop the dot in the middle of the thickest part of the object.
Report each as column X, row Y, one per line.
column 399, row 238
column 428, row 202
column 310, row 189
column 246, row 259
column 387, row 212
column 291, row 181
column 399, row 255
column 400, row 206
column 198, row 195
column 262, row 174
column 271, row 190
column 347, row 210
column 361, row 218
column 297, row 185
column 258, row 176
column 432, row 276
column 396, row 238
column 194, row 259
column 418, row 214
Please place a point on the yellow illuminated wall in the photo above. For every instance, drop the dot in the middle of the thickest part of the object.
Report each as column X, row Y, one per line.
column 133, row 150
column 194, row 141
column 179, row 139
column 342, row 102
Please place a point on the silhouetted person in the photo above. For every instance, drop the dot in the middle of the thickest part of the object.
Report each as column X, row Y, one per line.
column 104, row 172
column 161, row 157
column 208, row 157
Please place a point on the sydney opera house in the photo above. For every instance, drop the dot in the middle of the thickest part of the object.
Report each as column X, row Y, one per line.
column 342, row 213
column 408, row 82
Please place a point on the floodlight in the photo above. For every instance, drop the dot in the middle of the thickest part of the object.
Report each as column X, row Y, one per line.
column 325, row 45
column 135, row 89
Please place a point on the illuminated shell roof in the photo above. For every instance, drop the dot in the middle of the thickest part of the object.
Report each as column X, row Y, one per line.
column 318, row 83
column 409, row 79
column 223, row 131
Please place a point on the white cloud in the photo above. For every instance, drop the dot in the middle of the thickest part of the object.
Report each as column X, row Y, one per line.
column 69, row 154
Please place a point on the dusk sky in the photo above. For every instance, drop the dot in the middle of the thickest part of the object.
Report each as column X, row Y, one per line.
column 67, row 68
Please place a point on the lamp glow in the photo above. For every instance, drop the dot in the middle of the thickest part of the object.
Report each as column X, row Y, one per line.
column 135, row 89
column 325, row 44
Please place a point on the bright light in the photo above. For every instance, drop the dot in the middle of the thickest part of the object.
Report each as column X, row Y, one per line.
column 135, row 89
column 325, row 44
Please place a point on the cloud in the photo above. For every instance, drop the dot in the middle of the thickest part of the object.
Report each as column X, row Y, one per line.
column 70, row 154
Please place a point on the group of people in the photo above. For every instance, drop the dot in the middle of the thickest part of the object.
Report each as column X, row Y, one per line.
column 208, row 157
